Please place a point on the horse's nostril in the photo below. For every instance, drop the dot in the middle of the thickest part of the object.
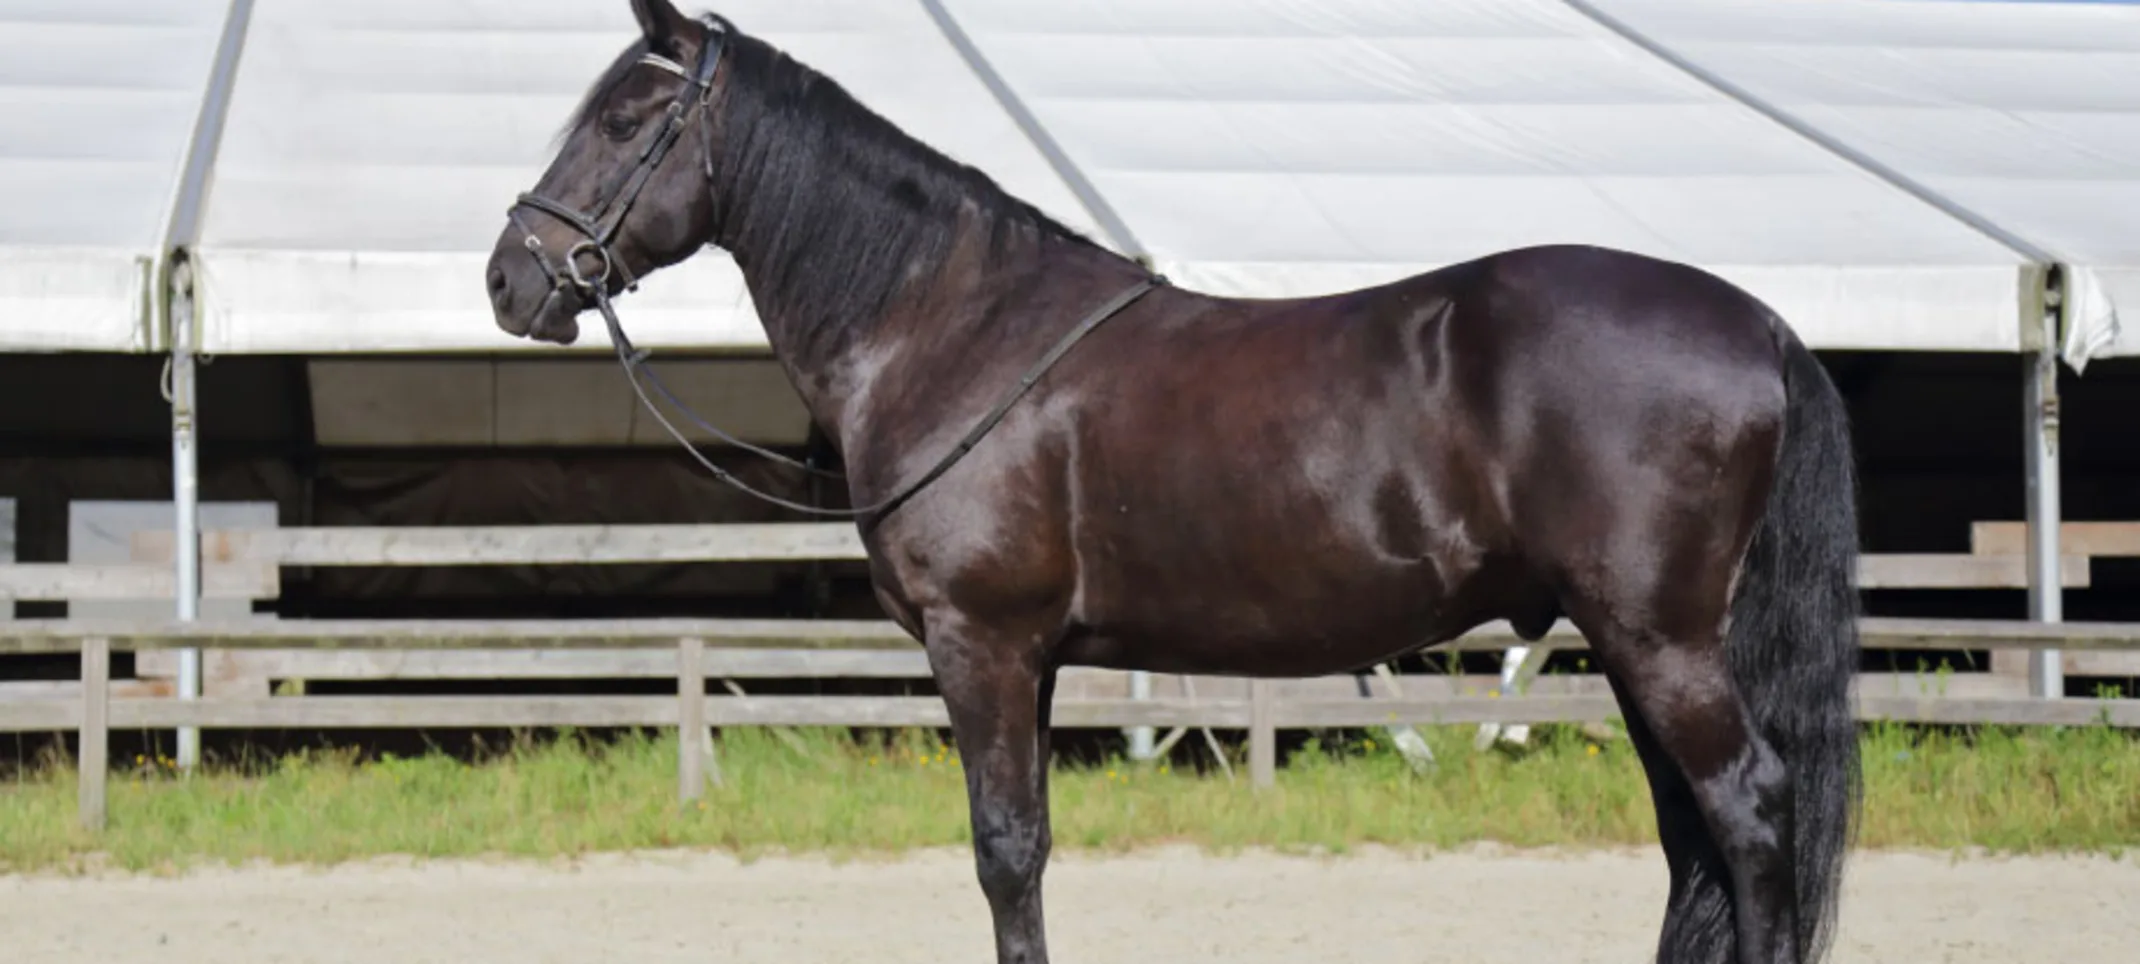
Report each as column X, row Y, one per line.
column 497, row 282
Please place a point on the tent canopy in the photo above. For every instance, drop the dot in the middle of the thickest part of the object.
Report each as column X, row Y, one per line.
column 97, row 104
column 1281, row 148
column 2027, row 114
column 373, row 148
column 1293, row 148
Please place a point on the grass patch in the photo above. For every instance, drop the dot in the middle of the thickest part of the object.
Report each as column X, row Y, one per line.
column 2006, row 790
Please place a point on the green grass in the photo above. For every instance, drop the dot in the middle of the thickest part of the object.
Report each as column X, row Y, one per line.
column 2006, row 790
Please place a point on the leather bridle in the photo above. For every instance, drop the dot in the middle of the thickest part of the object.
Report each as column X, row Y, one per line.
column 598, row 230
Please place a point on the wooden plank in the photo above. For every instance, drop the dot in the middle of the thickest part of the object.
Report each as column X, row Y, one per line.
column 2024, row 711
column 1977, row 685
column 45, row 636
column 403, row 712
column 768, row 542
column 1084, row 683
column 1997, row 634
column 64, row 581
column 1452, row 710
column 95, row 733
column 2010, row 664
column 517, row 545
column 399, row 712
column 62, row 636
column 910, row 663
column 223, row 672
column 911, row 711
column 30, row 690
column 41, row 716
column 1954, row 571
column 2101, row 664
column 886, row 711
column 691, row 723
column 765, row 542
column 1075, row 682
column 2076, row 538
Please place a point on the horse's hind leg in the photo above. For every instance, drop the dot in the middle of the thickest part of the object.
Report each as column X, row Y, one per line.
column 1698, row 923
column 1674, row 676
column 997, row 690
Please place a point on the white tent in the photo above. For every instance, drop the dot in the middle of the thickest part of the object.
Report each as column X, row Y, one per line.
column 372, row 150
column 2025, row 114
column 1274, row 148
column 1280, row 149
column 97, row 104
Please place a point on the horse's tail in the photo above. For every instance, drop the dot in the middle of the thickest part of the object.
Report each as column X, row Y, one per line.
column 1793, row 637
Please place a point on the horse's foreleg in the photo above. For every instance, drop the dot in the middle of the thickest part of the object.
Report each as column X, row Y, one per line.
column 997, row 690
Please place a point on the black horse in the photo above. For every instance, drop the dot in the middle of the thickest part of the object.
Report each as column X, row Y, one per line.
column 1259, row 487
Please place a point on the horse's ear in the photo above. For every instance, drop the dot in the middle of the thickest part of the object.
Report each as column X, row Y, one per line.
column 661, row 22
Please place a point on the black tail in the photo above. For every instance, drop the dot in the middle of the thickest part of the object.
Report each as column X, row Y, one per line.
column 1793, row 638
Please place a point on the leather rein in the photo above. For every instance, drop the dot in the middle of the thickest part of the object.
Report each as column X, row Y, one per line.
column 599, row 230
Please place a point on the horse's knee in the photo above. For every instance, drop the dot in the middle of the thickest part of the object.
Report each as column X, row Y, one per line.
column 1010, row 854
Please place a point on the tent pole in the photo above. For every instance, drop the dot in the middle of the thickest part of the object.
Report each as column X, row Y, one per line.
column 2040, row 416
column 185, row 496
column 180, row 301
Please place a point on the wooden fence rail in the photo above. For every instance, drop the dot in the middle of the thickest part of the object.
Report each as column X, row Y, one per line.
column 247, row 564
column 810, row 541
column 822, row 648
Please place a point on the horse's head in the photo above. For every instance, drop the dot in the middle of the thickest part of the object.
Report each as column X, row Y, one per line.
column 627, row 193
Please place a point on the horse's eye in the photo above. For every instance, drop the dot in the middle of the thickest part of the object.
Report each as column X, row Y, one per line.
column 620, row 126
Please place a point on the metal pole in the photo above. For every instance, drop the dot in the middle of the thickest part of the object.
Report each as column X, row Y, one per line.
column 179, row 300
column 1140, row 737
column 2046, row 583
column 185, row 496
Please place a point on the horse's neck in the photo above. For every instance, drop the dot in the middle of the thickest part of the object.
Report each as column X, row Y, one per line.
column 936, row 345
column 923, row 319
column 838, row 365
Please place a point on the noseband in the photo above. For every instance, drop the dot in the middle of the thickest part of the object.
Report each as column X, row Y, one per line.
column 598, row 231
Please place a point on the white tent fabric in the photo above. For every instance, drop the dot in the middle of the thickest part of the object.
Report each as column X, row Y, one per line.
column 1295, row 147
column 1272, row 148
column 372, row 149
column 97, row 104
column 2026, row 113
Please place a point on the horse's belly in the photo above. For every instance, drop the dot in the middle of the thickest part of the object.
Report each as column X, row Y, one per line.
column 1268, row 623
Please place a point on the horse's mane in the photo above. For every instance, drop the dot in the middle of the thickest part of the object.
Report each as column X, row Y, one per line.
column 836, row 207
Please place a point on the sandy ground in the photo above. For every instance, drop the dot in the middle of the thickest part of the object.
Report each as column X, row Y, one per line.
column 1160, row 906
